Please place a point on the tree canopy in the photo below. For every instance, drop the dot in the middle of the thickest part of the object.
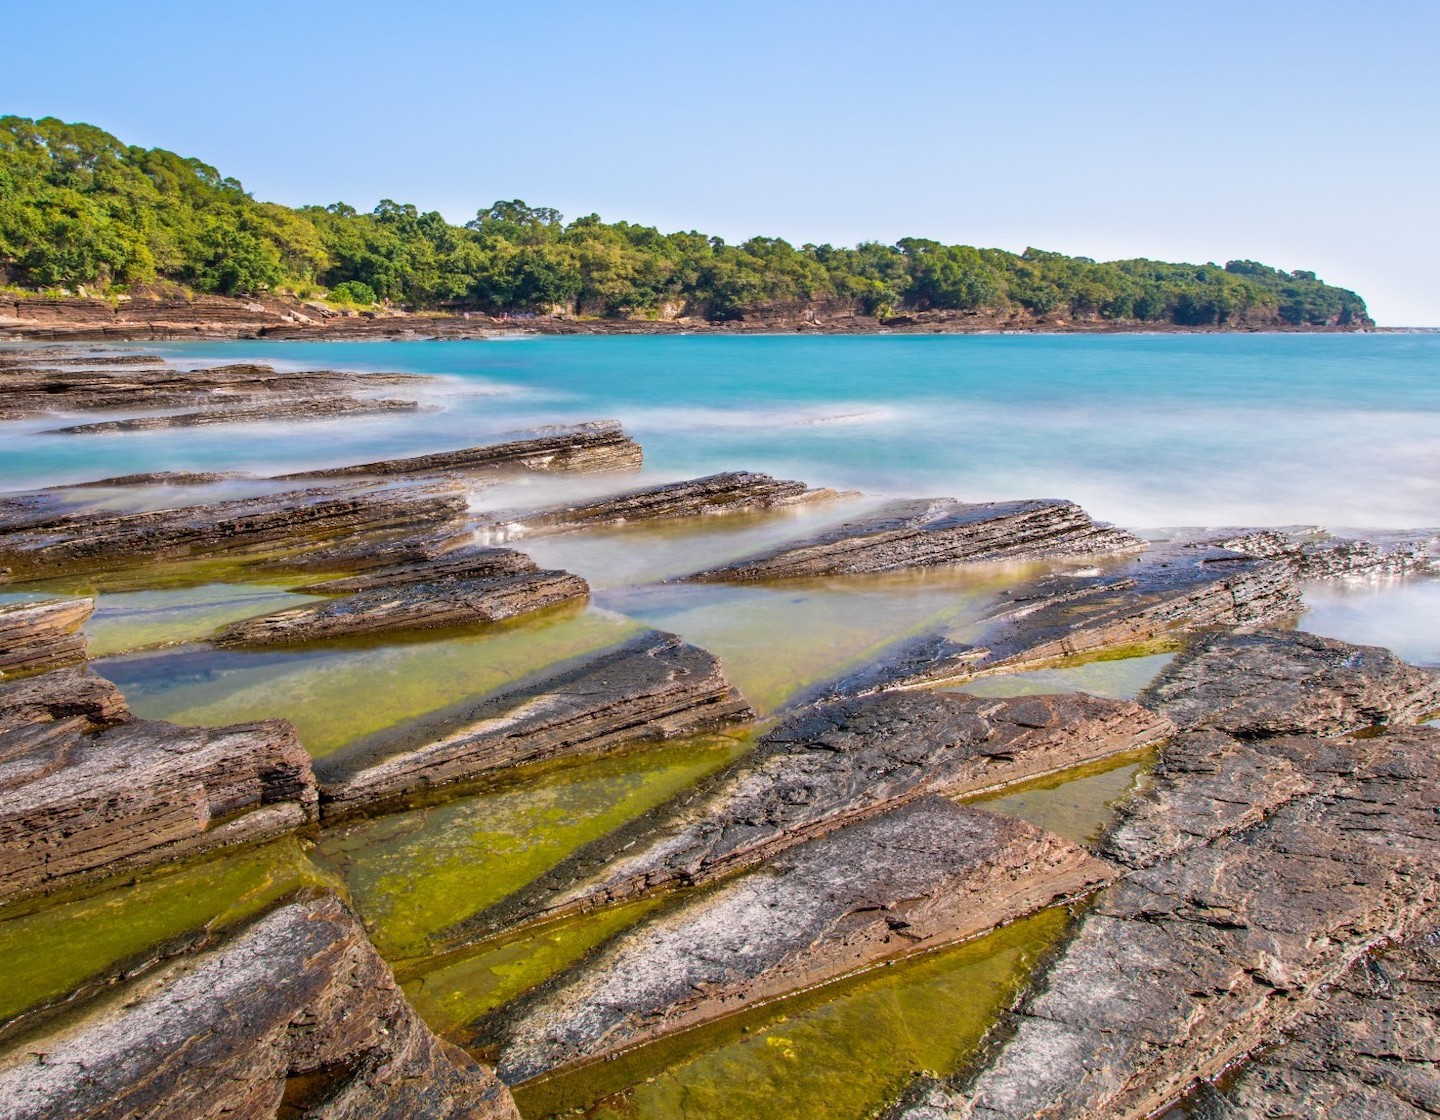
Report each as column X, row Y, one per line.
column 80, row 209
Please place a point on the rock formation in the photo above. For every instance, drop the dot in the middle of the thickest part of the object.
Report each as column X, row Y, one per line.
column 44, row 635
column 465, row 563
column 296, row 1015
column 839, row 763
column 926, row 531
column 655, row 686
column 1315, row 554
column 304, row 408
column 914, row 877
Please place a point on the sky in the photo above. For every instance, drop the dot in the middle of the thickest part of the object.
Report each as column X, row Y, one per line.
column 1301, row 134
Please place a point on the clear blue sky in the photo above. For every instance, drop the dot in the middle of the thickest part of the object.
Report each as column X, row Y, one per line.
column 1298, row 133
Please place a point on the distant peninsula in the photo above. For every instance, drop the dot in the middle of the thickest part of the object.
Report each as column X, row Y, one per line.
column 103, row 240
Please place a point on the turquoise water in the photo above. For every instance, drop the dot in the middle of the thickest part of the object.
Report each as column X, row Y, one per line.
column 1142, row 430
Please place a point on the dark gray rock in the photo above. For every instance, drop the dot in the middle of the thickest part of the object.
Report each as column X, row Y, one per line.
column 1288, row 683
column 599, row 446
column 410, row 606
column 1315, row 554
column 839, row 763
column 927, row 531
column 655, row 686
column 296, row 1015
column 35, row 637
column 303, row 408
column 466, row 563
column 913, row 878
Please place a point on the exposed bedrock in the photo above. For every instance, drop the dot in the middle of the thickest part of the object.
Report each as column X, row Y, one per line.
column 839, row 763
column 596, row 447
column 914, row 877
column 77, row 804
column 410, row 606
column 159, row 478
column 1151, row 601
column 1278, row 682
column 926, row 531
column 730, row 492
column 36, row 391
column 469, row 562
column 35, row 637
column 655, row 686
column 297, row 1015
column 1260, row 870
column 1315, row 554
column 37, row 542
column 1369, row 1051
column 304, row 408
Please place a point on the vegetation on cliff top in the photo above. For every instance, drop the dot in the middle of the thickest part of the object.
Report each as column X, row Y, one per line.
column 79, row 208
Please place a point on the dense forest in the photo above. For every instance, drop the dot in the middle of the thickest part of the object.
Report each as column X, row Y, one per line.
column 79, row 209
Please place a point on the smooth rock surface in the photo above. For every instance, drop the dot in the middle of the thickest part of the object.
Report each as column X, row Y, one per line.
column 35, row 637
column 1280, row 682
column 915, row 877
column 655, row 686
column 839, row 763
column 922, row 532
column 297, row 1015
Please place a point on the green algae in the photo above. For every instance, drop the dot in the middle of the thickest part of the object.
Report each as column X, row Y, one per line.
column 125, row 621
column 338, row 693
column 1077, row 803
column 52, row 947
column 415, row 874
column 452, row 996
column 1118, row 678
column 839, row 1052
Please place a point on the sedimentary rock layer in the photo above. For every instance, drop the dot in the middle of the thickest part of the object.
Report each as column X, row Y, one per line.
column 297, row 1015
column 468, row 562
column 914, row 877
column 731, row 492
column 653, row 687
column 927, row 531
column 44, row 635
column 1369, row 1051
column 1151, row 601
column 839, row 763
column 596, row 447
column 1283, row 682
column 1315, row 554
column 410, row 606
column 76, row 806
column 305, row 408
column 36, row 540
column 60, row 695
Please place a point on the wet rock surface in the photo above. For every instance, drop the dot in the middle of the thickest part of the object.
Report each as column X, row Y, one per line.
column 914, row 877
column 655, row 686
column 730, row 492
column 296, row 1015
column 310, row 408
column 840, row 763
column 1152, row 601
column 35, row 637
column 599, row 446
column 1259, row 871
column 1283, row 682
column 922, row 532
column 410, row 606
column 1315, row 554
column 1369, row 1051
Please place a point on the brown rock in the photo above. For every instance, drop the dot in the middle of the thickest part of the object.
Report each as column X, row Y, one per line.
column 305, row 408
column 467, row 563
column 44, row 635
column 296, row 1015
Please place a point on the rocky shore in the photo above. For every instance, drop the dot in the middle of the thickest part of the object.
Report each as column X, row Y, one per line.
column 1253, row 930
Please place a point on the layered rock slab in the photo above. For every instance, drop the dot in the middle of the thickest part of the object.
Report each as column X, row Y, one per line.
column 1233, row 917
column 599, row 446
column 35, row 637
column 1275, row 682
column 655, row 686
column 1154, row 600
column 410, row 606
column 1369, row 1051
column 840, row 763
column 927, row 531
column 465, row 563
column 1314, row 554
column 306, row 408
column 922, row 875
column 730, row 492
column 297, row 1015
column 76, row 805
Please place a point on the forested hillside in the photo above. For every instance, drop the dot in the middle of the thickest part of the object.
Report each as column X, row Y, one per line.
column 78, row 208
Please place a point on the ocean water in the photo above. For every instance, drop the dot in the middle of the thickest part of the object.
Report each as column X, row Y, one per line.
column 1144, row 431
